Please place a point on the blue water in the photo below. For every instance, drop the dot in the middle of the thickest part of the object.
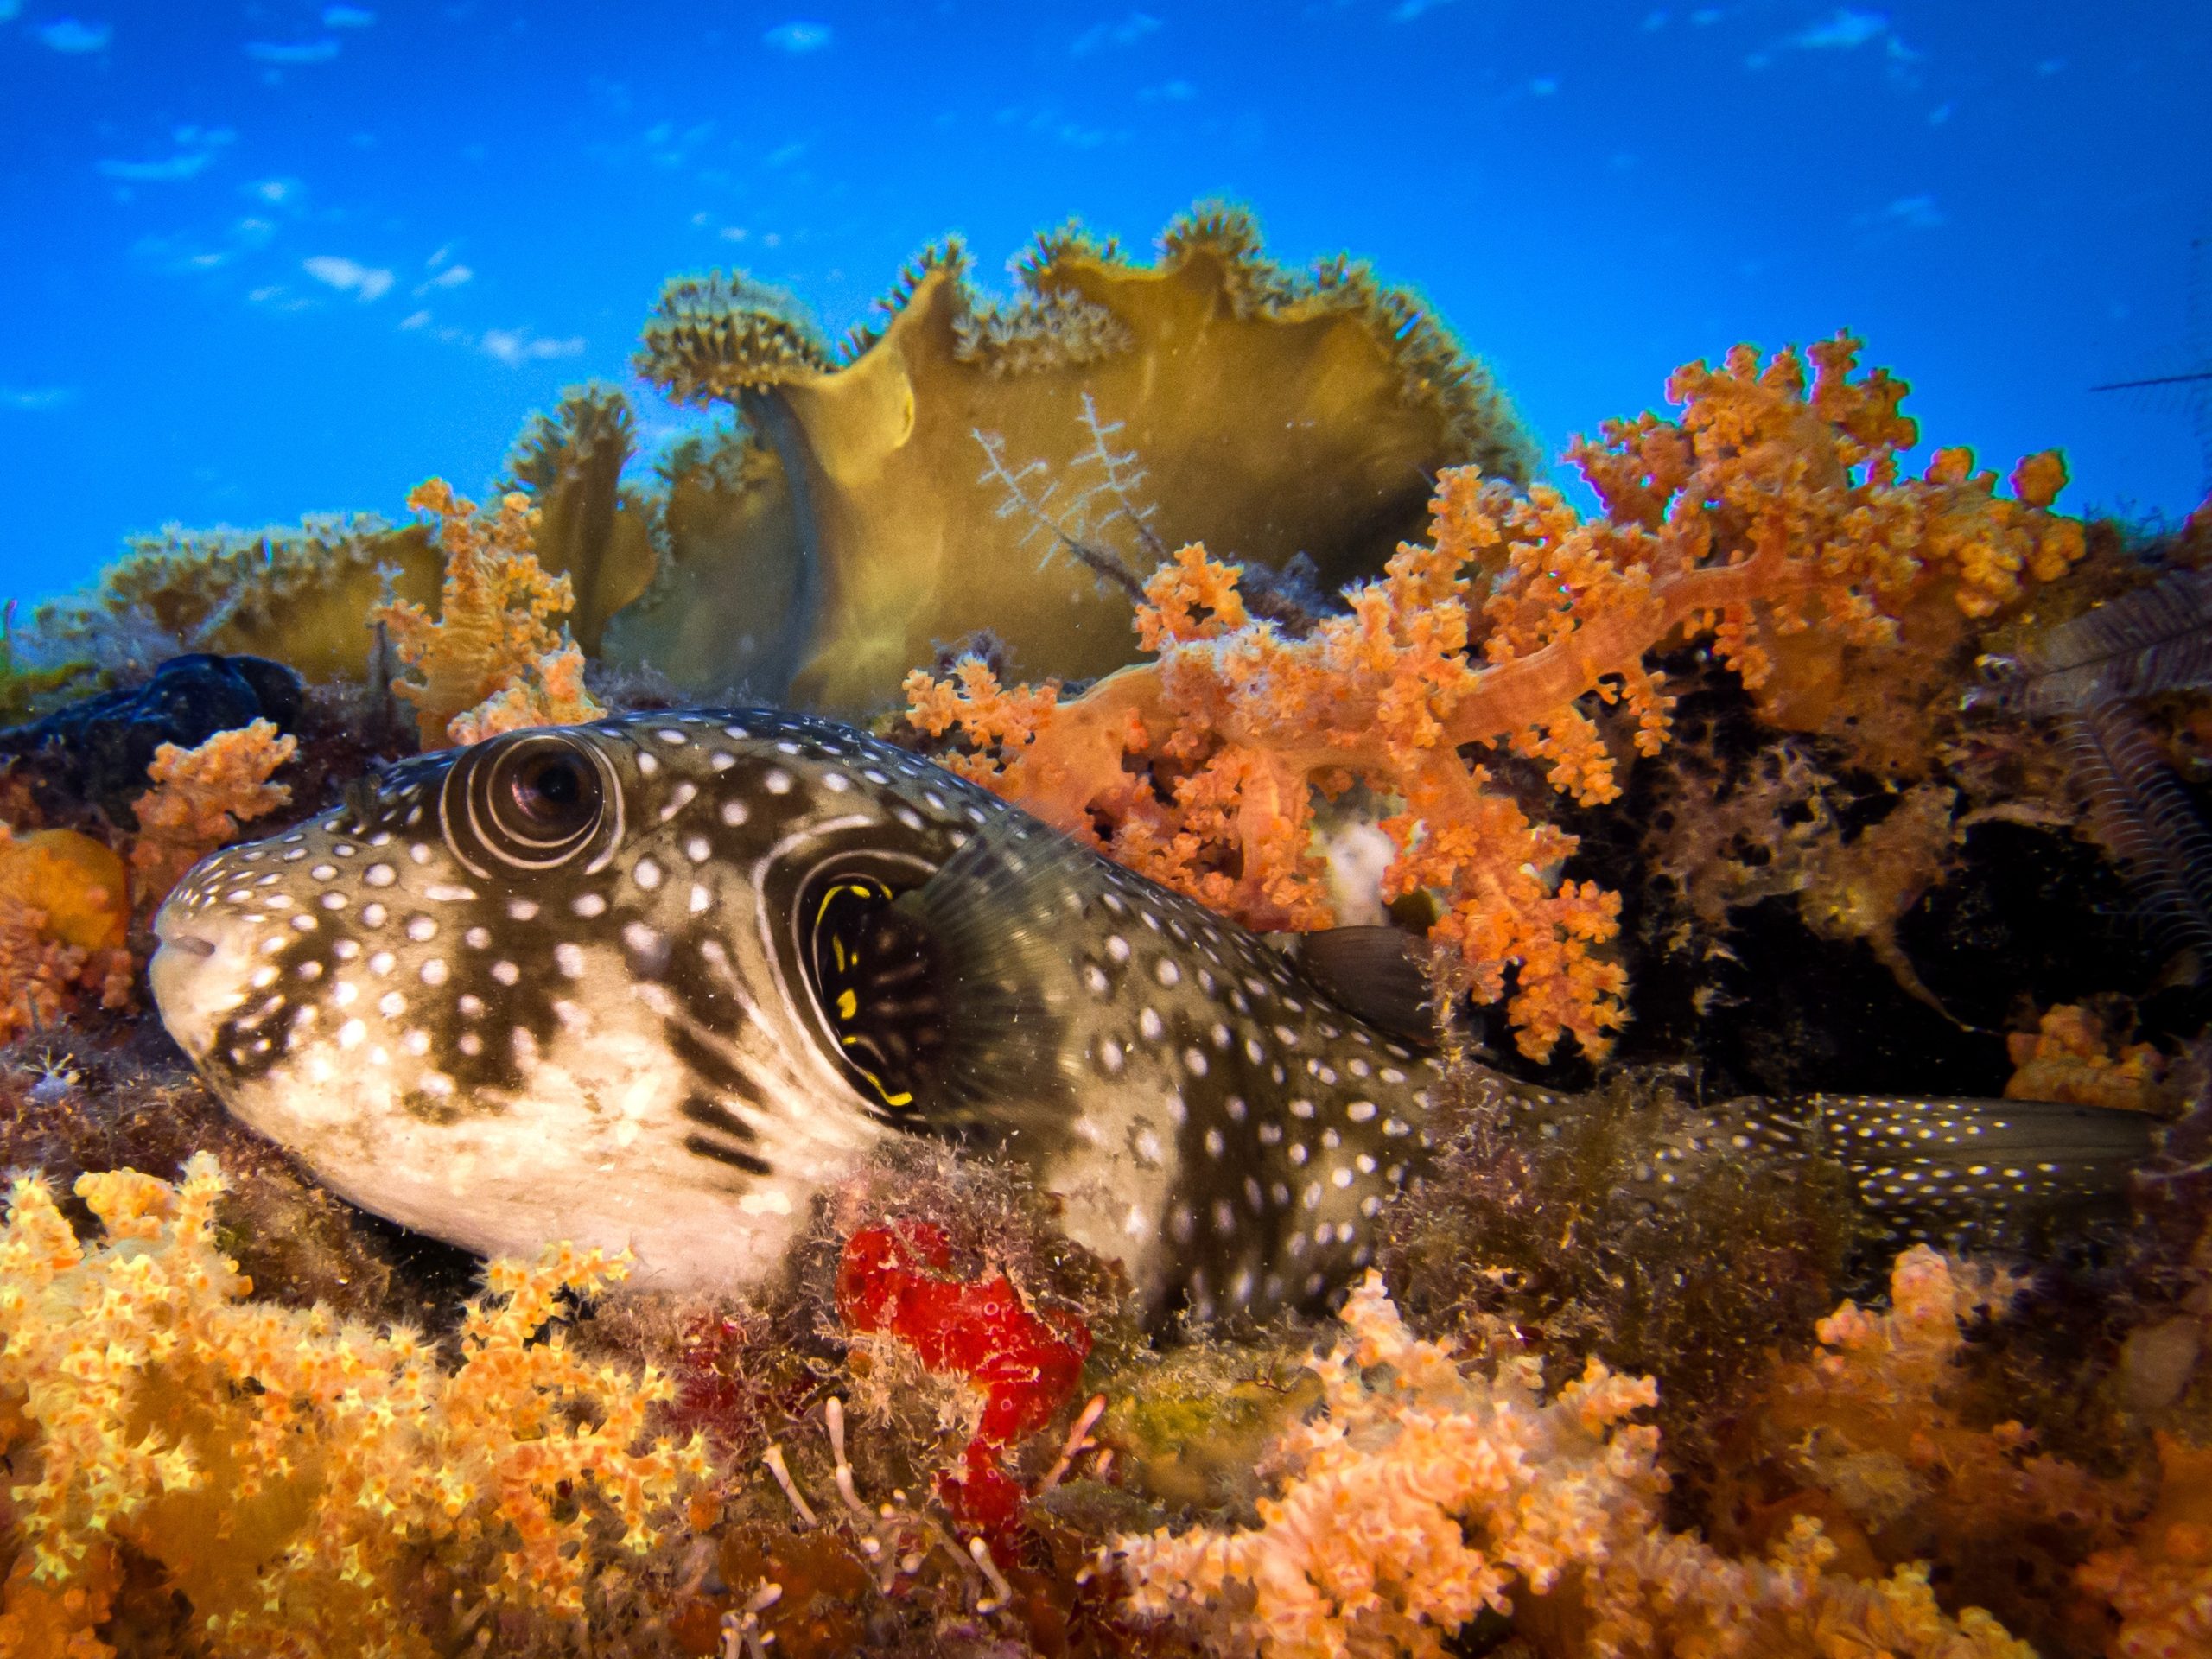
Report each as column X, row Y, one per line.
column 279, row 257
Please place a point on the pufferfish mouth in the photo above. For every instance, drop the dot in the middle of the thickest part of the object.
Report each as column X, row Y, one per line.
column 192, row 1000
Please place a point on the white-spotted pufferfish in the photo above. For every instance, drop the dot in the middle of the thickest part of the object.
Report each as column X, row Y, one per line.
column 655, row 983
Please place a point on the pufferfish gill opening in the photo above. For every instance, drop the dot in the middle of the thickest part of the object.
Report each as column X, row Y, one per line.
column 655, row 981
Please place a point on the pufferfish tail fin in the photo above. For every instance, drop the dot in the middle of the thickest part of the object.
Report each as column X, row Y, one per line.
column 1940, row 1167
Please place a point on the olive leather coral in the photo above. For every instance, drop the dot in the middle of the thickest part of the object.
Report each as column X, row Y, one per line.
column 1274, row 413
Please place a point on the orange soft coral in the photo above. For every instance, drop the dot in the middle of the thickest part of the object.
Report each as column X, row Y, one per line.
column 490, row 662
column 2160, row 1582
column 301, row 1479
column 64, row 911
column 1889, row 1438
column 2072, row 1057
column 200, row 797
column 1770, row 507
column 1424, row 1493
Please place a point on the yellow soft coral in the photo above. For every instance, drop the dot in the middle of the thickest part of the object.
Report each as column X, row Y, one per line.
column 490, row 662
column 1770, row 507
column 200, row 797
column 295, row 1475
column 1423, row 1493
column 64, row 911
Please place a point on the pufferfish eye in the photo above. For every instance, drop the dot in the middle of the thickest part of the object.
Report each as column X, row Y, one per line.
column 552, row 795
column 532, row 801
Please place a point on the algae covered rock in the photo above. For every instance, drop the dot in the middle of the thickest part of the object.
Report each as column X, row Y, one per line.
column 96, row 750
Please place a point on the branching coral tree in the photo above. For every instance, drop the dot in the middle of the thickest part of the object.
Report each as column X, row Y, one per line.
column 1770, row 506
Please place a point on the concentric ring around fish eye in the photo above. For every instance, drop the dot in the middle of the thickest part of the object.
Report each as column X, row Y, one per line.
column 484, row 828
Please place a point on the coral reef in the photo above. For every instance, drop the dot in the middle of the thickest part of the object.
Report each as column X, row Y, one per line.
column 1564, row 1235
column 727, row 610
column 2160, row 1582
column 1275, row 413
column 1903, row 1450
column 25, row 685
column 1824, row 775
column 200, row 797
column 489, row 662
column 1771, row 509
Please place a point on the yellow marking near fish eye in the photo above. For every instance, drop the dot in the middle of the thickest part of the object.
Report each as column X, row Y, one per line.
column 848, row 1000
column 905, row 1097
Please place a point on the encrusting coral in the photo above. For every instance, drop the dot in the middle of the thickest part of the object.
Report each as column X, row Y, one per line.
column 65, row 911
column 1770, row 508
column 1425, row 1492
column 490, row 662
column 199, row 799
column 893, row 1284
column 1274, row 413
column 309, row 1487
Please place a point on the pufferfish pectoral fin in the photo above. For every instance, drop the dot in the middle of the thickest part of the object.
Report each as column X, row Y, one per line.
column 989, row 935
column 1950, row 1164
column 1379, row 973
